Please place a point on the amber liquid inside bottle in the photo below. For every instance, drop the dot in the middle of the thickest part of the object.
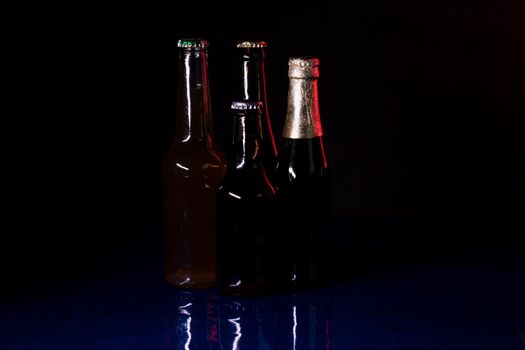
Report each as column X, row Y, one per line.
column 192, row 170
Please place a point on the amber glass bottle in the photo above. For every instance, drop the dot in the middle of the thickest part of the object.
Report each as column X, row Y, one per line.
column 192, row 170
column 250, row 85
column 245, row 199
column 303, row 181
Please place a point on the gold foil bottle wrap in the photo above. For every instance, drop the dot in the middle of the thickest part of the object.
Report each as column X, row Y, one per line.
column 303, row 120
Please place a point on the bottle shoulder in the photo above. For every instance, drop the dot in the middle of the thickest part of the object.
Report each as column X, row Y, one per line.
column 199, row 151
column 302, row 178
column 253, row 183
column 302, row 161
column 193, row 161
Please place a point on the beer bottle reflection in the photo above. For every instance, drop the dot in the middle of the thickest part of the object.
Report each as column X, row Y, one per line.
column 193, row 323
column 245, row 325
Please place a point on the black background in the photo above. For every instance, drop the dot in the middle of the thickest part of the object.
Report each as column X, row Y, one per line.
column 422, row 105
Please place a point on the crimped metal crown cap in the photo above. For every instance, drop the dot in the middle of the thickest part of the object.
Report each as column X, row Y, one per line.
column 243, row 105
column 303, row 67
column 252, row 44
column 193, row 43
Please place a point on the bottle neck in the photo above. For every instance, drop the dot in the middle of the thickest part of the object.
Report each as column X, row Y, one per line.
column 251, row 85
column 193, row 111
column 303, row 120
column 246, row 144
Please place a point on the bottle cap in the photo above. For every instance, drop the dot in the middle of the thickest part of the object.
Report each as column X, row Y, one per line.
column 303, row 67
column 244, row 105
column 193, row 43
column 252, row 44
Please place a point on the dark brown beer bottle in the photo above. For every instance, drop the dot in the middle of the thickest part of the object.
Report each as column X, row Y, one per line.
column 192, row 170
column 303, row 181
column 250, row 85
column 244, row 201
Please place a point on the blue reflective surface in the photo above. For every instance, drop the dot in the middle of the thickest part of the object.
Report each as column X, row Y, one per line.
column 403, row 308
column 299, row 321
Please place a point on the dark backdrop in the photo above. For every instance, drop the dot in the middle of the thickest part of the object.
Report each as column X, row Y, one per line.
column 422, row 105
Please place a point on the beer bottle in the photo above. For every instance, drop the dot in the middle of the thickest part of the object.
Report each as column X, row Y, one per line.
column 303, row 181
column 192, row 170
column 244, row 201
column 250, row 85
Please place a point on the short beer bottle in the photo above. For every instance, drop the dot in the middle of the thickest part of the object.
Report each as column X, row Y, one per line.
column 245, row 199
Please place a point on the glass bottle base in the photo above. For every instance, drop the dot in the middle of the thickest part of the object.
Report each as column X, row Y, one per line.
column 191, row 279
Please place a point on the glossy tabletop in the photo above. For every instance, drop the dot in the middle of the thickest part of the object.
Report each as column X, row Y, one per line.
column 425, row 307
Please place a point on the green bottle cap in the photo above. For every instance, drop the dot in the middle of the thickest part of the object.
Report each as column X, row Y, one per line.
column 193, row 43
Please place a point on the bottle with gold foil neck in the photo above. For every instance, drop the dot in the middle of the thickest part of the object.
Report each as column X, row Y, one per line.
column 192, row 170
column 250, row 86
column 303, row 181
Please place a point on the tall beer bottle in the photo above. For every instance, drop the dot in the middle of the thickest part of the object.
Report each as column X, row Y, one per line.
column 244, row 201
column 303, row 181
column 192, row 170
column 250, row 85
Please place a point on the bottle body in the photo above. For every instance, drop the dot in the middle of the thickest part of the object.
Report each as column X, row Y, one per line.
column 304, row 202
column 245, row 200
column 192, row 170
column 303, row 182
column 244, row 235
column 189, row 220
